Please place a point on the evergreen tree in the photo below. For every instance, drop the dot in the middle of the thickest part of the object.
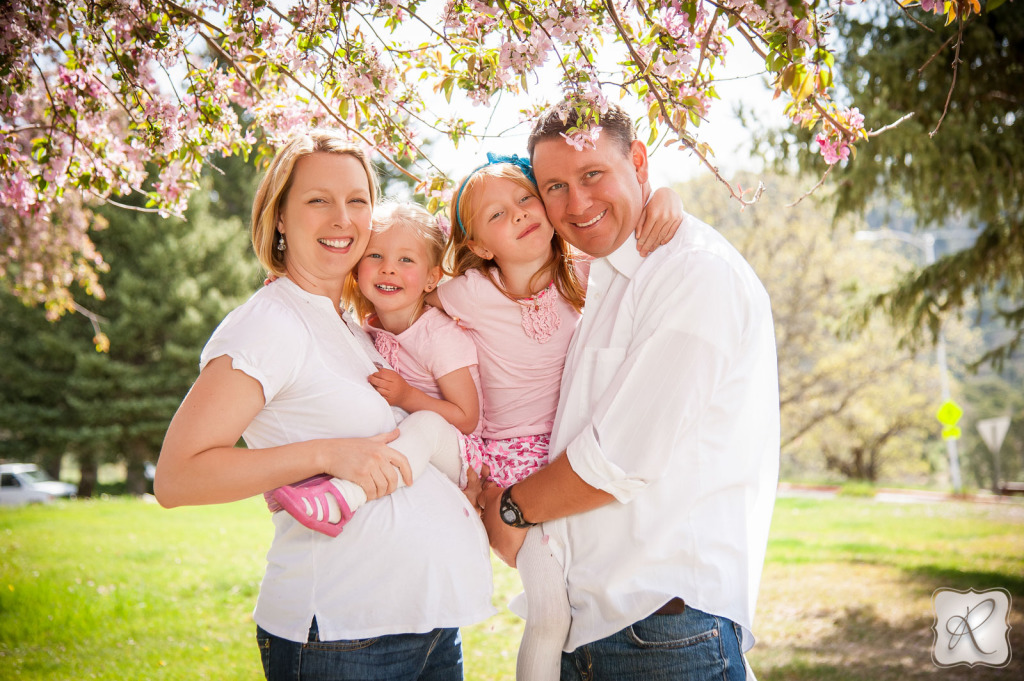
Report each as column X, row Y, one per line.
column 970, row 172
column 38, row 357
column 170, row 284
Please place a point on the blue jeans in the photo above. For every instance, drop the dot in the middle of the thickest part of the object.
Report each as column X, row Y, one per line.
column 434, row 656
column 693, row 645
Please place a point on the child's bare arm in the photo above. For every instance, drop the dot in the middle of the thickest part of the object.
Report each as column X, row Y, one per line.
column 659, row 221
column 460, row 406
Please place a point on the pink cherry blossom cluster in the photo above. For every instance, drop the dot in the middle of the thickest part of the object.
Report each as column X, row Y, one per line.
column 567, row 23
column 128, row 101
column 839, row 131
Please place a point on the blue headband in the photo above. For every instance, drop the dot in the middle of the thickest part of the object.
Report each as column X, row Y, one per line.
column 492, row 159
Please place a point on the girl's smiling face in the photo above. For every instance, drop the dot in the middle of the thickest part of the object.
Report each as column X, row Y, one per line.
column 396, row 272
column 509, row 223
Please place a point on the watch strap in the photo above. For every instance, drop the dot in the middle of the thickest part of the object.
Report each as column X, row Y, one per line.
column 510, row 512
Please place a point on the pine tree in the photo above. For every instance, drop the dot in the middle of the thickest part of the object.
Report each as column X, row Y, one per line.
column 38, row 358
column 971, row 171
column 170, row 284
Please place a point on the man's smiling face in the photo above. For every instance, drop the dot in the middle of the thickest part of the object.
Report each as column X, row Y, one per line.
column 593, row 197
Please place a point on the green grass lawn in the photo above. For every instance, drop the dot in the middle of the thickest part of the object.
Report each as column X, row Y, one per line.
column 122, row 589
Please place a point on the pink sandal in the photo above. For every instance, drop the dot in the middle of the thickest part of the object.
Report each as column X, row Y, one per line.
column 306, row 501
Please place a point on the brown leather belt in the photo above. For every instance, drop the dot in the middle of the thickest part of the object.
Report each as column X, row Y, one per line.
column 674, row 607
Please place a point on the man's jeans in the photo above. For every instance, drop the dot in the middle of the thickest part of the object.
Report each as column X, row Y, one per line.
column 692, row 645
column 434, row 656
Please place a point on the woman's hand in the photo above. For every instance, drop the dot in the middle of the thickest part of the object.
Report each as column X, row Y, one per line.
column 368, row 462
column 391, row 387
column 659, row 221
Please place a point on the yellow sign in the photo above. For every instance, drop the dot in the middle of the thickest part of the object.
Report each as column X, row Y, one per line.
column 949, row 413
column 951, row 433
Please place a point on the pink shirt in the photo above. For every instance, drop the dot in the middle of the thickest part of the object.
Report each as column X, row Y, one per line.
column 429, row 349
column 521, row 346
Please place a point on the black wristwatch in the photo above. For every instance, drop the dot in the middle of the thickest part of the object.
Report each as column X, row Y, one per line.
column 510, row 512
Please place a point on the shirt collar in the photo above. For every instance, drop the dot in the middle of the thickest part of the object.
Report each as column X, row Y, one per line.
column 626, row 259
column 317, row 299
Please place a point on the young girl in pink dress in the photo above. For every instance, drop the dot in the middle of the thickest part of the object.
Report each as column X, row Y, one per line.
column 434, row 374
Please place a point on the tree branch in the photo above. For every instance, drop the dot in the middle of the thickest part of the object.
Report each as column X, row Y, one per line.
column 704, row 46
column 664, row 111
column 900, row 121
column 956, row 69
column 814, row 188
column 312, row 93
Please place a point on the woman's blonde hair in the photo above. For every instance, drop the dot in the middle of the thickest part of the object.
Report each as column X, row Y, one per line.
column 397, row 214
column 273, row 189
column 459, row 258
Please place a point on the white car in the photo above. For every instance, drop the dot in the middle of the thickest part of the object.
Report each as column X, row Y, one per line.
column 26, row 483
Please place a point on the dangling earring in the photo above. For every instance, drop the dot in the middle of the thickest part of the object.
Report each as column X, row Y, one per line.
column 281, row 245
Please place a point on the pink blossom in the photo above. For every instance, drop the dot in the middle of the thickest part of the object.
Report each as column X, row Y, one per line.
column 445, row 225
column 833, row 151
column 582, row 139
column 676, row 23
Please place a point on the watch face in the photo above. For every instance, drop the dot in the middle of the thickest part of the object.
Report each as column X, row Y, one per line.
column 508, row 515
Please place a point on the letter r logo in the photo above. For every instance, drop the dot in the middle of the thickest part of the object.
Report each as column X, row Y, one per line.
column 971, row 627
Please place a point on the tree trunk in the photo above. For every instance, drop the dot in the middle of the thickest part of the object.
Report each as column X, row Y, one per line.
column 51, row 464
column 135, row 469
column 135, row 478
column 90, row 472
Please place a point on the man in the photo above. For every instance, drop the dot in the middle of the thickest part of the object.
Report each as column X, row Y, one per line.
column 665, row 446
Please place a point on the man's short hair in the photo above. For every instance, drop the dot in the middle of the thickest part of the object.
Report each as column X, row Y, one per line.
column 615, row 123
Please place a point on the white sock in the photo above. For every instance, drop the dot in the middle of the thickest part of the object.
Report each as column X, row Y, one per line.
column 425, row 438
column 547, row 611
column 353, row 495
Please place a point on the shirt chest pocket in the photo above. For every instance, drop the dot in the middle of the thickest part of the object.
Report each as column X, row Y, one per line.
column 602, row 365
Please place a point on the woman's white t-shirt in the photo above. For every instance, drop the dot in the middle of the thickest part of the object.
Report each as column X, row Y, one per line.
column 409, row 562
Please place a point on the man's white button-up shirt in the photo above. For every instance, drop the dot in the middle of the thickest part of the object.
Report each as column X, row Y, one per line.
column 669, row 402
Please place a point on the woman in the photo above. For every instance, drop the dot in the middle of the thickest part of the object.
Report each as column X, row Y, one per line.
column 287, row 372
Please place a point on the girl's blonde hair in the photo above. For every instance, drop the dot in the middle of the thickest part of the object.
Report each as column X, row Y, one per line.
column 459, row 258
column 277, row 181
column 397, row 214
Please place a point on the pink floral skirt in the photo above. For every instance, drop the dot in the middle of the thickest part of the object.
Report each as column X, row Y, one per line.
column 508, row 461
